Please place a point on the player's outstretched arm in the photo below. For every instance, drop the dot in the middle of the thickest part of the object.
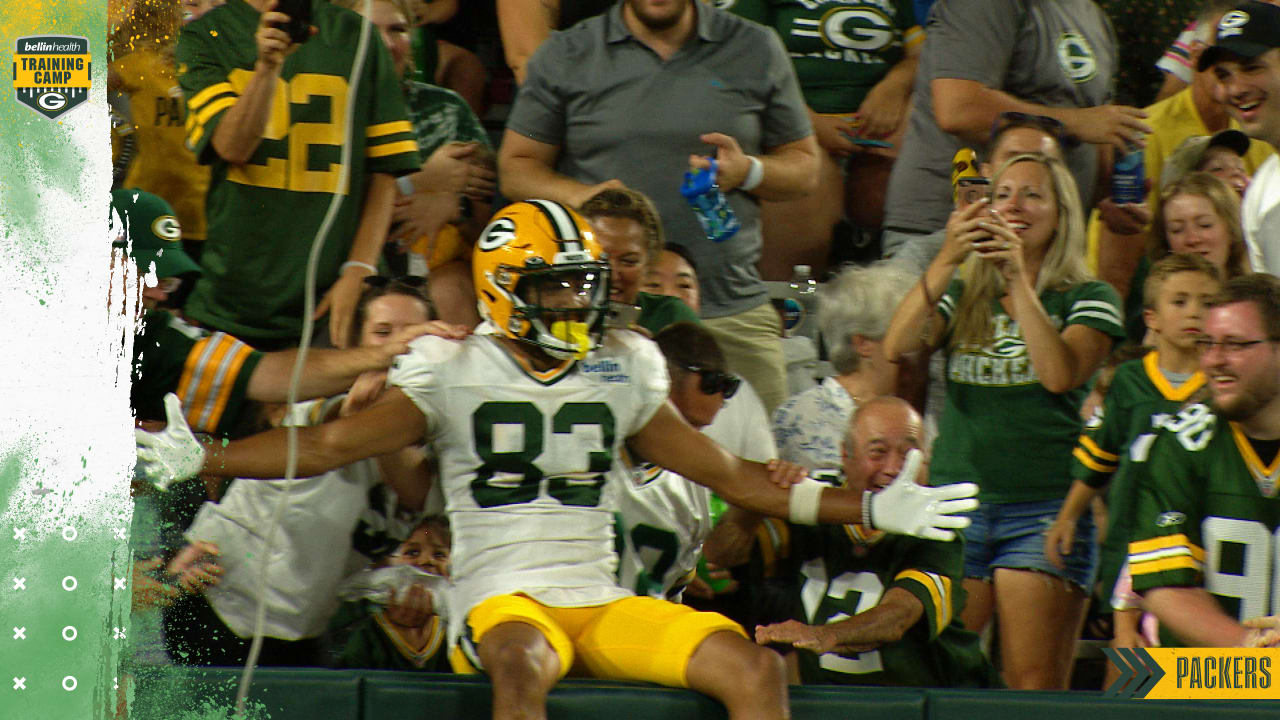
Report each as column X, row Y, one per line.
column 903, row 507
column 174, row 454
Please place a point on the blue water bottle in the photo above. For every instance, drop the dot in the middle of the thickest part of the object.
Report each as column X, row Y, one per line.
column 1128, row 180
column 710, row 205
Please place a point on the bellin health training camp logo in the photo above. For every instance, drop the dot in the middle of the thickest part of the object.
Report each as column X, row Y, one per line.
column 51, row 73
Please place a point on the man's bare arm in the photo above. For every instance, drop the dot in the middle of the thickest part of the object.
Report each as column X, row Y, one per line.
column 885, row 623
column 967, row 109
column 526, row 169
column 1194, row 617
column 239, row 132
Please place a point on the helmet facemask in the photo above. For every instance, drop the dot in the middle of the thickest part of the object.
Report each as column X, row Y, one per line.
column 560, row 308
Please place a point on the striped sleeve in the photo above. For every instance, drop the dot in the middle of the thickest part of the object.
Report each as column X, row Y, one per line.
column 950, row 300
column 1096, row 305
column 1096, row 454
column 1165, row 549
column 1177, row 59
column 935, row 593
column 390, row 145
column 214, row 381
column 206, row 85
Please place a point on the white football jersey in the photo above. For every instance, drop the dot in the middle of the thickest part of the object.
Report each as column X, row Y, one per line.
column 662, row 522
column 310, row 550
column 524, row 460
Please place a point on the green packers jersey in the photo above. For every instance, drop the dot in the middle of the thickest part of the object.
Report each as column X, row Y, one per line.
column 845, row 570
column 209, row 372
column 1000, row 427
column 840, row 48
column 362, row 638
column 1208, row 515
column 439, row 115
column 1140, row 400
column 264, row 214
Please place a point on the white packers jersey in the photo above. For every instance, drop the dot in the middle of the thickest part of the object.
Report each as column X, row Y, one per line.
column 524, row 459
column 663, row 519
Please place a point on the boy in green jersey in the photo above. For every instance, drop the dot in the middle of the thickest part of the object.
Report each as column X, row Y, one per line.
column 1144, row 393
column 1204, row 535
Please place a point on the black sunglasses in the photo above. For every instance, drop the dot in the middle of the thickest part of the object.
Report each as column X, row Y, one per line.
column 409, row 281
column 1052, row 126
column 715, row 381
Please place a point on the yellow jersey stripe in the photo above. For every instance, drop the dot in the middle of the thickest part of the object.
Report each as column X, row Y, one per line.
column 1164, row 542
column 395, row 148
column 207, row 94
column 1177, row 562
column 1098, row 452
column 225, row 381
column 935, row 593
column 1151, row 364
column 912, row 37
column 388, row 128
column 204, row 389
column 1089, row 462
column 196, row 121
column 193, row 385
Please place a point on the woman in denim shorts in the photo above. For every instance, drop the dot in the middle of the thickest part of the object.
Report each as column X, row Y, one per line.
column 1025, row 326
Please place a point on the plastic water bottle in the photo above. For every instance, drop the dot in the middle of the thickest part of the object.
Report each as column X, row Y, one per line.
column 710, row 205
column 800, row 316
column 1127, row 181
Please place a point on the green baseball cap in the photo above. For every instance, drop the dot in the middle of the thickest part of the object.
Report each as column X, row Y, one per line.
column 148, row 229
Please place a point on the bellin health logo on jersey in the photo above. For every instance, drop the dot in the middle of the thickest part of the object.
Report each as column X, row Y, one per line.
column 51, row 73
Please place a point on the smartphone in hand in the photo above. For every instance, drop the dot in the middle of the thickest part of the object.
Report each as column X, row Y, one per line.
column 299, row 25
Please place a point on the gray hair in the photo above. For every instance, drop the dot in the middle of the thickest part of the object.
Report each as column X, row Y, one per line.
column 859, row 301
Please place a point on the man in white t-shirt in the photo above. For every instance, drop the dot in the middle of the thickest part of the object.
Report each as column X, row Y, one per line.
column 1246, row 62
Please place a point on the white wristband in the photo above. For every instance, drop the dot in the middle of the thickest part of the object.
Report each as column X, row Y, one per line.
column 357, row 263
column 866, row 510
column 405, row 184
column 803, row 501
column 755, row 175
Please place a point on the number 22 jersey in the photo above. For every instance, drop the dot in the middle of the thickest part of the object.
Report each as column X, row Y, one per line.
column 524, row 458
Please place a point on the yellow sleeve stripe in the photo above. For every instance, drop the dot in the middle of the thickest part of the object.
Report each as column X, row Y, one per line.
column 196, row 121
column 1176, row 562
column 209, row 93
column 1164, row 542
column 1090, row 463
column 395, row 148
column 389, row 128
column 208, row 377
column 1098, row 452
column 912, row 37
column 939, row 588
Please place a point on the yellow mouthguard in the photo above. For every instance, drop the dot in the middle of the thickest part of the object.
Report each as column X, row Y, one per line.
column 574, row 333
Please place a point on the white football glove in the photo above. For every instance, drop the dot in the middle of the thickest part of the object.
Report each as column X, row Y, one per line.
column 172, row 454
column 906, row 508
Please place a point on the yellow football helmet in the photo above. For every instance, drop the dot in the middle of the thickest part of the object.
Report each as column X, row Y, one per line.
column 539, row 278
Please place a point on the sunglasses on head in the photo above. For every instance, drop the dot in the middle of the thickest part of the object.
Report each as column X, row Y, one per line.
column 715, row 381
column 1052, row 126
column 408, row 281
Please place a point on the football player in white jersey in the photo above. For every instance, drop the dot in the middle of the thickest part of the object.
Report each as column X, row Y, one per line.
column 527, row 421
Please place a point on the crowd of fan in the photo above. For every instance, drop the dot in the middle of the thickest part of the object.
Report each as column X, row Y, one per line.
column 1045, row 332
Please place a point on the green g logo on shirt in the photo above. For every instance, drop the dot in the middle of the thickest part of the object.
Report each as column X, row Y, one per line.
column 849, row 28
column 1076, row 57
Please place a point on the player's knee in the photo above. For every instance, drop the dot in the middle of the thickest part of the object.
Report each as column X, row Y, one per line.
column 765, row 668
column 514, row 659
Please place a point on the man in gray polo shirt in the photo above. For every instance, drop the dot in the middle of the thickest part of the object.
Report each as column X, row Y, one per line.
column 630, row 98
column 985, row 57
